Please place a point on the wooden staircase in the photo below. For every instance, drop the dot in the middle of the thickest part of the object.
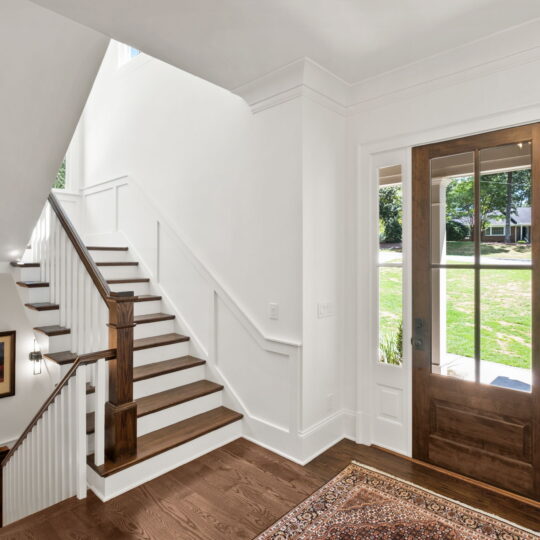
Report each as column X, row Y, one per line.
column 176, row 405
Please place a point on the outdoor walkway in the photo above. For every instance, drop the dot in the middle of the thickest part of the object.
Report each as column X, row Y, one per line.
column 490, row 372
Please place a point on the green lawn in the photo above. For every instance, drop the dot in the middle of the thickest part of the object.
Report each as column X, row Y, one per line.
column 495, row 250
column 505, row 312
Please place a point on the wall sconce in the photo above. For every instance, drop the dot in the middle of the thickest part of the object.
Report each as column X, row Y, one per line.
column 36, row 357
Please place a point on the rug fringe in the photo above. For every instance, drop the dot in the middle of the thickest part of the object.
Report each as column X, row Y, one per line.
column 459, row 503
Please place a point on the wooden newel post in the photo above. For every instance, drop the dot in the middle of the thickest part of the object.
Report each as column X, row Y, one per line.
column 121, row 410
column 4, row 451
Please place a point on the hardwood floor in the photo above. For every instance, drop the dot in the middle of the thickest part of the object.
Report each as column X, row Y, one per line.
column 236, row 492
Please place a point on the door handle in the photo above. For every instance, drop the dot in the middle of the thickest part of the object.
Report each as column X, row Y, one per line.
column 418, row 340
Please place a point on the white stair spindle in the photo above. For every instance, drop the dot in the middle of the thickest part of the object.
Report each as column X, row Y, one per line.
column 80, row 408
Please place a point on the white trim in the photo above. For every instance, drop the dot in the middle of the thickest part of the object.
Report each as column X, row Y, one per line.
column 491, row 233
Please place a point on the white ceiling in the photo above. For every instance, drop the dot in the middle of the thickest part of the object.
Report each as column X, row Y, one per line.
column 232, row 42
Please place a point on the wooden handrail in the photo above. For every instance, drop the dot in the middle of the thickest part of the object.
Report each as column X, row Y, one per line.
column 91, row 267
column 87, row 260
column 89, row 358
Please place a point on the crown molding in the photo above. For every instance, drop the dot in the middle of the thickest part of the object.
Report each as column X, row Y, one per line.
column 498, row 52
column 303, row 77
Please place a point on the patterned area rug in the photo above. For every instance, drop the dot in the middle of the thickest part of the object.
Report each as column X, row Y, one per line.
column 362, row 503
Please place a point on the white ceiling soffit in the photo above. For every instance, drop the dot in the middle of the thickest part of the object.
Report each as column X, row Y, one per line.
column 233, row 42
column 48, row 66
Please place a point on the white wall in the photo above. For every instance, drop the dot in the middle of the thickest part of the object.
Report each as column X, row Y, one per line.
column 323, row 202
column 30, row 390
column 227, row 180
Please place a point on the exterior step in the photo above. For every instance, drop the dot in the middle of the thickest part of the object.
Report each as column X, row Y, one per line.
column 170, row 398
column 53, row 330
column 153, row 317
column 32, row 284
column 147, row 298
column 61, row 358
column 106, row 248
column 18, row 264
column 128, row 280
column 42, row 306
column 158, row 341
column 169, row 437
column 148, row 371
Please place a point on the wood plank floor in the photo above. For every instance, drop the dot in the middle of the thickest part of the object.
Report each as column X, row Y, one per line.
column 236, row 492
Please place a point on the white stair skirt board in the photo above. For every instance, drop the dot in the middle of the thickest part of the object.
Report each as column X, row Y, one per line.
column 182, row 411
column 116, row 484
column 157, row 354
column 145, row 308
column 154, row 329
column 168, row 381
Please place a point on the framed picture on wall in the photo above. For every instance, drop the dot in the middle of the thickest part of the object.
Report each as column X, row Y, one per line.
column 7, row 364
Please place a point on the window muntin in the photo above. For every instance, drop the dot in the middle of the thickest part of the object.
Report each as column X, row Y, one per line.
column 481, row 290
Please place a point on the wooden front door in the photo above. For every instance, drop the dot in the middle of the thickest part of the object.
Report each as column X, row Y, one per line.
column 476, row 308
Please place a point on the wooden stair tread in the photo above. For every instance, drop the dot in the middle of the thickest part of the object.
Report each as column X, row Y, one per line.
column 153, row 317
column 106, row 248
column 128, row 280
column 158, row 341
column 32, row 284
column 42, row 306
column 147, row 298
column 169, row 398
column 166, row 366
column 63, row 357
column 90, row 389
column 53, row 330
column 118, row 263
column 18, row 264
column 169, row 437
column 163, row 400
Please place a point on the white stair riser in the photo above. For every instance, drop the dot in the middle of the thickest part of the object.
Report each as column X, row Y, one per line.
column 114, row 485
column 144, row 308
column 168, row 381
column 157, row 354
column 154, row 329
column 171, row 415
column 120, row 272
column 90, row 402
column 183, row 411
column 43, row 318
column 137, row 288
column 37, row 294
column 57, row 343
column 90, row 444
column 26, row 274
column 110, row 256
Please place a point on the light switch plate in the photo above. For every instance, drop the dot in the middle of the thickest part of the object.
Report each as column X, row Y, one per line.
column 273, row 311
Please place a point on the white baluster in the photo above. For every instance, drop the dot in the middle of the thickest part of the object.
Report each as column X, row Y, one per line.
column 80, row 381
column 99, row 414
